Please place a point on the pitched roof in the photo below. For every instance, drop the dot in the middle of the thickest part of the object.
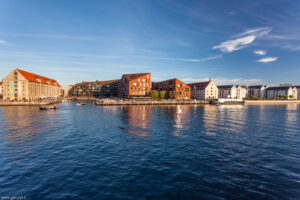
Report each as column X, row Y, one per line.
column 134, row 76
column 34, row 78
column 279, row 88
column 199, row 85
column 256, row 86
column 225, row 86
column 0, row 82
column 98, row 82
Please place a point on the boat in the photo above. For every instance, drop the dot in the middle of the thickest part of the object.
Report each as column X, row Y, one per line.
column 80, row 104
column 227, row 101
column 49, row 107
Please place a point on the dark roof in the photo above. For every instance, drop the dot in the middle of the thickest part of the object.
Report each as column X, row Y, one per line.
column 134, row 76
column 279, row 88
column 256, row 86
column 225, row 86
column 98, row 82
column 199, row 85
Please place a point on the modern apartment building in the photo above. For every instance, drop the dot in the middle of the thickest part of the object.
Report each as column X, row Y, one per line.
column 257, row 91
column 22, row 85
column 134, row 85
column 298, row 91
column 179, row 88
column 233, row 91
column 94, row 89
column 204, row 90
column 275, row 92
column 227, row 91
column 67, row 90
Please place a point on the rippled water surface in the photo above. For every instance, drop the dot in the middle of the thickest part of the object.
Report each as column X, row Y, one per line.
column 150, row 152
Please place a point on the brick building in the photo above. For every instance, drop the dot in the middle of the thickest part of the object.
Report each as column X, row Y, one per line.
column 134, row 85
column 179, row 88
column 22, row 85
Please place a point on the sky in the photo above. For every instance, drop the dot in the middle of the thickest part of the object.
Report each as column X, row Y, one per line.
column 233, row 41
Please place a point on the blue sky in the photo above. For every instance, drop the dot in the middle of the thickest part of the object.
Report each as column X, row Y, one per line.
column 233, row 41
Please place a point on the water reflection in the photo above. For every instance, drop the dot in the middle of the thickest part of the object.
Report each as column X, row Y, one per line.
column 137, row 119
column 210, row 119
column 181, row 119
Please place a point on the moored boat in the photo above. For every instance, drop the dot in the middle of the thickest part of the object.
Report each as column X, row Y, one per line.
column 227, row 101
column 80, row 104
column 49, row 107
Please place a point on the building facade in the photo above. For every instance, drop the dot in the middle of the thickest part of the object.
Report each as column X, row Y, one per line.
column 298, row 91
column 94, row 89
column 1, row 91
column 257, row 91
column 227, row 91
column 204, row 90
column 241, row 91
column 134, row 85
column 233, row 91
column 22, row 85
column 179, row 88
column 276, row 92
column 67, row 90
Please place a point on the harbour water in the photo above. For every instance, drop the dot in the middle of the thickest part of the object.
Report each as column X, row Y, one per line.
column 150, row 152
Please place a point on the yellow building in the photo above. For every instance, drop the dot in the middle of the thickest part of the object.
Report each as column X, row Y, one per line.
column 22, row 85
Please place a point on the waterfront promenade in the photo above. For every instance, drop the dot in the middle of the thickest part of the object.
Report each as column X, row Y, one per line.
column 34, row 103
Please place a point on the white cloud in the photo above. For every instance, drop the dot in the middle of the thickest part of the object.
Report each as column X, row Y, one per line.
column 236, row 44
column 260, row 52
column 267, row 59
column 2, row 42
column 242, row 39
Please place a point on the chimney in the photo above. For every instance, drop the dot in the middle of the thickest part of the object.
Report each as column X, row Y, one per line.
column 209, row 78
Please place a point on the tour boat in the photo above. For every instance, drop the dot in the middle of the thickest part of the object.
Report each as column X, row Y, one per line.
column 227, row 101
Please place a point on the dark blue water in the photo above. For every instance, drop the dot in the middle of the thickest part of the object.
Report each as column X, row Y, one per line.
column 150, row 152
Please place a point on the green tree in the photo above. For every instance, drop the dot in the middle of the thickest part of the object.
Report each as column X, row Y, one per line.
column 162, row 94
column 154, row 94
column 291, row 96
column 253, row 97
column 281, row 96
column 286, row 96
column 171, row 94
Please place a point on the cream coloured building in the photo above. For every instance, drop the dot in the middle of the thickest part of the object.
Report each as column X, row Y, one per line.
column 204, row 90
column 68, row 88
column 1, row 91
column 22, row 85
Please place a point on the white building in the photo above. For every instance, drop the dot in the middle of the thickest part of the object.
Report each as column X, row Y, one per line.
column 276, row 92
column 241, row 91
column 204, row 90
column 257, row 91
column 227, row 91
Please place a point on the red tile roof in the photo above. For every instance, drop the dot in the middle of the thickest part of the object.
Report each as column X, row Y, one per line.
column 1, row 83
column 134, row 76
column 34, row 78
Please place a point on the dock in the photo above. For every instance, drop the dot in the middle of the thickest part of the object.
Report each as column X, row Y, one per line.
column 149, row 102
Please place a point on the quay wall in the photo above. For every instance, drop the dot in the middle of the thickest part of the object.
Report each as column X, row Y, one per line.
column 271, row 102
column 28, row 103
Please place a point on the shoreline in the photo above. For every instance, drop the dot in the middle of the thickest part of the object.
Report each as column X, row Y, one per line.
column 28, row 103
column 271, row 102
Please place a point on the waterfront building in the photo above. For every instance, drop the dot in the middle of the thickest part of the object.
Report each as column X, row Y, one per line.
column 134, row 85
column 241, row 91
column 276, row 92
column 204, row 90
column 179, row 89
column 1, row 90
column 22, row 85
column 298, row 91
column 67, row 90
column 257, row 91
column 232, row 91
column 227, row 91
column 94, row 89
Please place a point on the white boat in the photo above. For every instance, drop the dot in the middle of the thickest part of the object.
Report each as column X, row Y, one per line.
column 227, row 101
column 80, row 104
